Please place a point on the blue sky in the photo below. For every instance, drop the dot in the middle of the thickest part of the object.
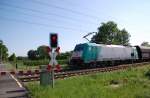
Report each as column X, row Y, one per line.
column 26, row 24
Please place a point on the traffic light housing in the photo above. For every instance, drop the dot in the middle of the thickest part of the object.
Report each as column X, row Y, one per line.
column 53, row 40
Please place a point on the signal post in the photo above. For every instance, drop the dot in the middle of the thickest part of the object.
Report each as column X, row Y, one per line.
column 53, row 52
column 48, row 71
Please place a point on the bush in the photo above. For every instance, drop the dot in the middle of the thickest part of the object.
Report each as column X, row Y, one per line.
column 41, row 62
column 147, row 74
column 114, row 82
column 144, row 94
column 12, row 57
column 36, row 62
column 61, row 62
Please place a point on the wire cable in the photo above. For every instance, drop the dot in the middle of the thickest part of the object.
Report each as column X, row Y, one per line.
column 40, row 24
column 47, row 13
column 37, row 16
column 65, row 9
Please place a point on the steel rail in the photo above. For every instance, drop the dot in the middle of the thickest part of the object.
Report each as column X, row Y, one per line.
column 67, row 74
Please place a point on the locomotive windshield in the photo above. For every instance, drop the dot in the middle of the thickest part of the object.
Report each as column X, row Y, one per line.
column 78, row 48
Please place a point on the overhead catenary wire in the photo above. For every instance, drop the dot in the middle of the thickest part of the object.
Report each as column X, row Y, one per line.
column 76, row 4
column 46, row 13
column 41, row 24
column 37, row 16
column 64, row 9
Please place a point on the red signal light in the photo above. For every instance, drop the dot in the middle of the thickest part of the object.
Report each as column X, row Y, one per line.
column 53, row 40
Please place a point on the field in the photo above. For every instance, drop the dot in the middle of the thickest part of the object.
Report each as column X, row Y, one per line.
column 21, row 66
column 130, row 83
column 32, row 64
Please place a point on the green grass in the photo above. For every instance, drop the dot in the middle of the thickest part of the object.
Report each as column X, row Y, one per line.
column 130, row 83
column 42, row 62
column 9, row 66
column 22, row 66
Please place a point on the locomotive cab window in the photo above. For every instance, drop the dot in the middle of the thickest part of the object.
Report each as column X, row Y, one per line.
column 78, row 48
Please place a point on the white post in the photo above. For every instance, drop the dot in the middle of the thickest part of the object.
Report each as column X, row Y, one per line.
column 1, row 49
column 53, row 79
column 1, row 54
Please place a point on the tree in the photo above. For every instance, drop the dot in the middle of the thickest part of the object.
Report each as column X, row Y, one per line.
column 108, row 33
column 3, row 51
column 42, row 52
column 22, row 58
column 12, row 57
column 64, row 56
column 145, row 44
column 32, row 54
column 123, row 37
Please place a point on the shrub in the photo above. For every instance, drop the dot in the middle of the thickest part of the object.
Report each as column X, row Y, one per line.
column 147, row 74
column 144, row 94
column 36, row 62
column 61, row 62
column 114, row 82
column 41, row 62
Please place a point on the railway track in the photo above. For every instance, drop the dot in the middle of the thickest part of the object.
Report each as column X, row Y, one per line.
column 67, row 74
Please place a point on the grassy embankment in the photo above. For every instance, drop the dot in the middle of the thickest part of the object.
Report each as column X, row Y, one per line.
column 130, row 83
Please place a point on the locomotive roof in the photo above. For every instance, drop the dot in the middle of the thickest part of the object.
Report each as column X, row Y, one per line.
column 94, row 44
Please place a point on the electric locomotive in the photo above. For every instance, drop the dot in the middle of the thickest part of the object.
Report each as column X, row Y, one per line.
column 101, row 54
